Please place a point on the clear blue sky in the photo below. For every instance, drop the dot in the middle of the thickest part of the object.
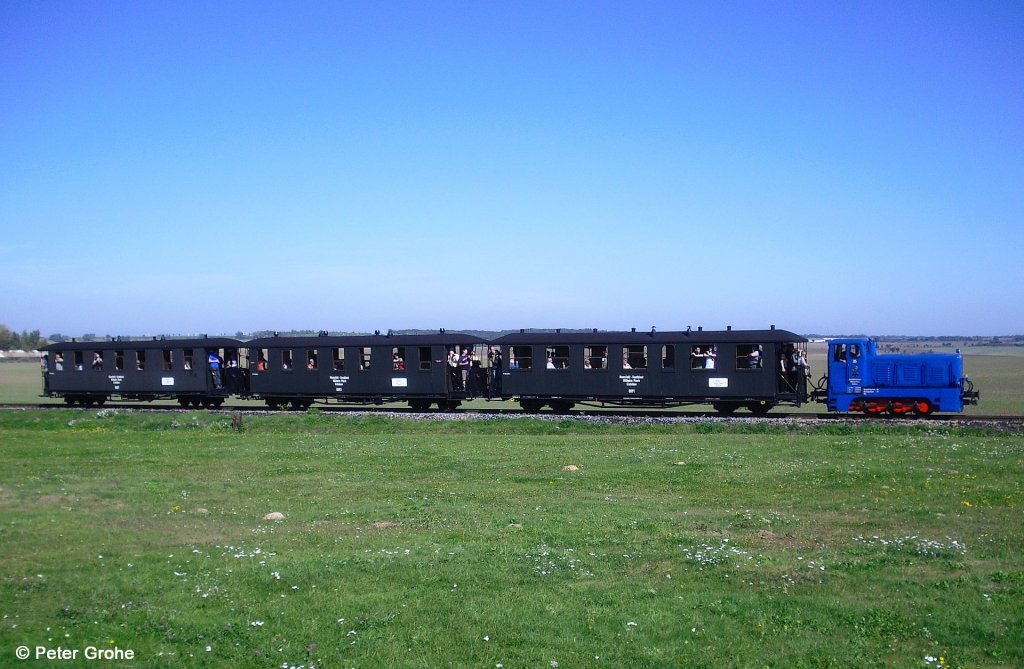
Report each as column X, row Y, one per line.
column 178, row 167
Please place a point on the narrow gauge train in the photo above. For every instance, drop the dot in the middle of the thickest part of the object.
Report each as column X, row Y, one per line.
column 730, row 369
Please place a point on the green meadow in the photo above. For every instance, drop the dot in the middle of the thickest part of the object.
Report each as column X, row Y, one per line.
column 507, row 543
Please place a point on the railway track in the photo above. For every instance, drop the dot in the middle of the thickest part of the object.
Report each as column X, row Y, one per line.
column 611, row 414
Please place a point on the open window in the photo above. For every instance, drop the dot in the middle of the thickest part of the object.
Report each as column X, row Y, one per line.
column 287, row 361
column 426, row 359
column 189, row 354
column 595, row 357
column 168, row 360
column 668, row 356
column 520, row 357
column 338, row 359
column 118, row 361
column 140, row 361
column 556, row 357
column 311, row 359
column 749, row 356
column 703, row 356
column 398, row 359
column 634, row 357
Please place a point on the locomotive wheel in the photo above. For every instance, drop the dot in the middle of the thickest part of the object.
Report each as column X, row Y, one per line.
column 874, row 407
column 923, row 407
column 900, row 407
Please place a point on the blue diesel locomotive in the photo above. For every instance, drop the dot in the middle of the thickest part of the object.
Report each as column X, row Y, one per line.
column 860, row 379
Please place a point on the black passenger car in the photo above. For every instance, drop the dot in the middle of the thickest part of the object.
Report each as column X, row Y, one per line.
column 183, row 369
column 360, row 369
column 729, row 369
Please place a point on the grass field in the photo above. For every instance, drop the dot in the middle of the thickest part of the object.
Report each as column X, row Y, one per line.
column 474, row 544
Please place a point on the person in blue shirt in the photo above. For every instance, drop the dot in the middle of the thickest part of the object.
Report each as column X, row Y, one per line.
column 214, row 361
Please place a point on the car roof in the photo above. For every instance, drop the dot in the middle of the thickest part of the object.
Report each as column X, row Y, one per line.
column 667, row 337
column 140, row 344
column 446, row 339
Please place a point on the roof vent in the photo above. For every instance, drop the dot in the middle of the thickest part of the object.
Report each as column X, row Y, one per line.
column 773, row 326
column 728, row 328
column 634, row 330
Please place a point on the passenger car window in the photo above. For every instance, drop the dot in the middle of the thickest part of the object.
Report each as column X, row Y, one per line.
column 520, row 357
column 749, row 356
column 703, row 356
column 595, row 357
column 634, row 357
column 556, row 357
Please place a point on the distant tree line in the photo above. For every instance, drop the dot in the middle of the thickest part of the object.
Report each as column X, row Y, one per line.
column 25, row 341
